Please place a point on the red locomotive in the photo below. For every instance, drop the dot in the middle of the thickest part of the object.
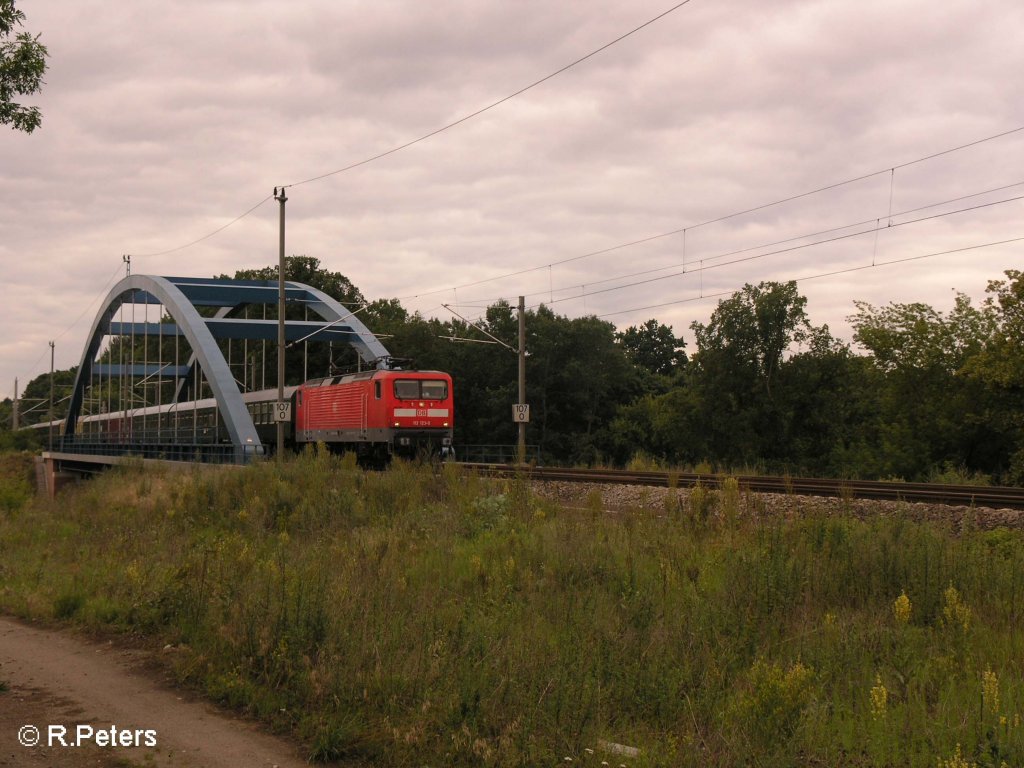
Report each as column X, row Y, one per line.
column 377, row 413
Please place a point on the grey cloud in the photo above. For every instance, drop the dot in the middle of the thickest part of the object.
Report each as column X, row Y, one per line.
column 162, row 121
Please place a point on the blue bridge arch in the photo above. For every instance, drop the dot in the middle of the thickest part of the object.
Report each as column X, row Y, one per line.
column 182, row 299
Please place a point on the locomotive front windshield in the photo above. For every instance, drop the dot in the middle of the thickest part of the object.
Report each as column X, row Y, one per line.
column 421, row 389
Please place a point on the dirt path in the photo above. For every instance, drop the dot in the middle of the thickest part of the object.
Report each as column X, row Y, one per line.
column 58, row 679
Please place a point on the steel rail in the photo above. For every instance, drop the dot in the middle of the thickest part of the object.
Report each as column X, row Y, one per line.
column 932, row 493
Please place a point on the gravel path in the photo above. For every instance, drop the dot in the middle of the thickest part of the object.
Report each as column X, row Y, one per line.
column 60, row 679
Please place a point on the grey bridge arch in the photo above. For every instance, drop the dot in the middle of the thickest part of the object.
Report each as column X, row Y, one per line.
column 181, row 298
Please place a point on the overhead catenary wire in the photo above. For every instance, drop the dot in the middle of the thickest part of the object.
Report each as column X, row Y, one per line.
column 718, row 219
column 208, row 235
column 805, row 278
column 703, row 261
column 491, row 106
column 100, row 295
column 477, row 327
column 745, row 259
column 426, row 136
column 483, row 303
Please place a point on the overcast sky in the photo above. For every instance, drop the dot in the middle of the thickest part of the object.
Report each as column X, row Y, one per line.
column 163, row 121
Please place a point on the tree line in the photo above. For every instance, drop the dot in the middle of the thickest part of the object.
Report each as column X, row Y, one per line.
column 928, row 395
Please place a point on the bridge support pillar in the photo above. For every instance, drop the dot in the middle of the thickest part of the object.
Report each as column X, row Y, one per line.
column 50, row 478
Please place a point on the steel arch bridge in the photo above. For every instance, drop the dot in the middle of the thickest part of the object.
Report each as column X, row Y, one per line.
column 139, row 378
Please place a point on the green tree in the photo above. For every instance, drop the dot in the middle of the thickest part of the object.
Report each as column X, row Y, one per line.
column 578, row 377
column 929, row 414
column 753, row 328
column 1000, row 359
column 654, row 347
column 34, row 405
column 999, row 366
column 22, row 66
column 824, row 390
column 739, row 354
column 385, row 315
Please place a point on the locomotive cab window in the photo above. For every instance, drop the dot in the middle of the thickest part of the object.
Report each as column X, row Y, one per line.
column 435, row 390
column 407, row 389
column 416, row 389
column 376, row 390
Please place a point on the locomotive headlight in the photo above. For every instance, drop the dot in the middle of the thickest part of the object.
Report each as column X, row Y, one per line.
column 446, row 423
column 397, row 424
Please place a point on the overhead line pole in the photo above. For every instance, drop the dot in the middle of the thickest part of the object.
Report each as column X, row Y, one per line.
column 50, row 427
column 521, row 449
column 282, row 199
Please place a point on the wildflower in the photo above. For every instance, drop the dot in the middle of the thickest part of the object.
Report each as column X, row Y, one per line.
column 879, row 698
column 956, row 761
column 830, row 620
column 956, row 611
column 901, row 608
column 990, row 691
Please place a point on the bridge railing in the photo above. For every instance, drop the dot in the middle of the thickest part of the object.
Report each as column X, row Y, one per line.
column 211, row 453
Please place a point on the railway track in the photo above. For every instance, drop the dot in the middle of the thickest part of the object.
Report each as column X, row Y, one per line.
column 954, row 495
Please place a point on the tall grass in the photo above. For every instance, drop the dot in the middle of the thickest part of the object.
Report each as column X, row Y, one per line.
column 427, row 616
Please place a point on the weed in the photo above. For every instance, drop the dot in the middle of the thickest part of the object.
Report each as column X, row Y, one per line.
column 879, row 699
column 15, row 481
column 340, row 738
column 730, row 496
column 14, row 495
column 68, row 604
column 957, row 760
column 990, row 691
column 901, row 608
column 956, row 613
column 958, row 475
column 644, row 462
column 416, row 617
column 776, row 701
column 699, row 503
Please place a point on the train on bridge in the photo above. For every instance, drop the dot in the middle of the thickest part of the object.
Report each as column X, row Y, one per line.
column 376, row 413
